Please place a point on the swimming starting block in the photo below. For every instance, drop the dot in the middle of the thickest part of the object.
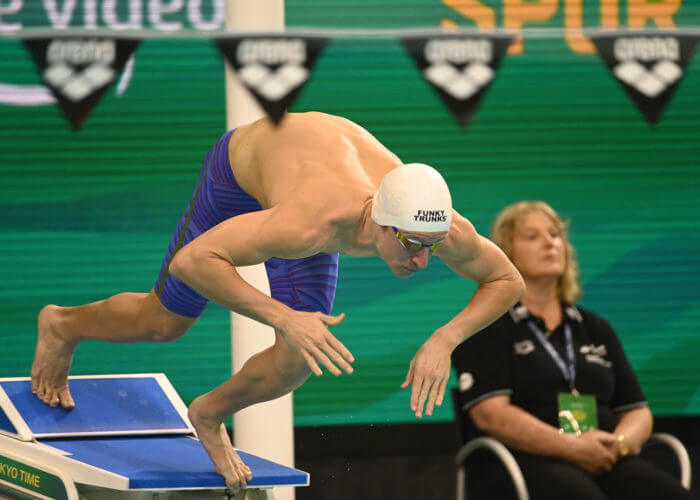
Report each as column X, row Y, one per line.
column 128, row 437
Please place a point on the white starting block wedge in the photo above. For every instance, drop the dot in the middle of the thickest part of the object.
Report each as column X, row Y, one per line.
column 127, row 438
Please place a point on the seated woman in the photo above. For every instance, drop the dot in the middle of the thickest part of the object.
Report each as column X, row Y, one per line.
column 549, row 364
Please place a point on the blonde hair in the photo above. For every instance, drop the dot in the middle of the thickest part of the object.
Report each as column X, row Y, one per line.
column 503, row 229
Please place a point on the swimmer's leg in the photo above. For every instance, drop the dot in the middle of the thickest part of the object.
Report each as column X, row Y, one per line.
column 123, row 318
column 304, row 285
column 267, row 375
column 164, row 314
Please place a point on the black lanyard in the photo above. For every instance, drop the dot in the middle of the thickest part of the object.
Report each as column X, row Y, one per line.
column 569, row 372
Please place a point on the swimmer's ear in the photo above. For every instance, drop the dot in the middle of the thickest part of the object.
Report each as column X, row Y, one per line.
column 333, row 320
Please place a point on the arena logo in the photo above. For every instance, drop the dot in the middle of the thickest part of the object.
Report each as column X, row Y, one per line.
column 15, row 15
column 523, row 348
column 14, row 94
column 273, row 69
column 600, row 350
column 78, row 70
column 459, row 67
column 648, row 65
column 662, row 53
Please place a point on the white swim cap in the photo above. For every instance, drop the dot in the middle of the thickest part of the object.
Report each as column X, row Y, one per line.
column 414, row 197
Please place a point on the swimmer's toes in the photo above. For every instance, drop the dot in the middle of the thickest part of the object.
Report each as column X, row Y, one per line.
column 44, row 397
column 234, row 484
column 40, row 389
column 66, row 399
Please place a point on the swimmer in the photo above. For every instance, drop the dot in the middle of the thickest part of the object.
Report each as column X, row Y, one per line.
column 292, row 196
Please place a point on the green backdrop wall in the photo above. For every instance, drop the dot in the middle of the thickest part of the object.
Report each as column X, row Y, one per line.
column 86, row 215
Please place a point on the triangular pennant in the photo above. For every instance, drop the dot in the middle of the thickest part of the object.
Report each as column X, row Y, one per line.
column 648, row 64
column 459, row 67
column 78, row 69
column 272, row 67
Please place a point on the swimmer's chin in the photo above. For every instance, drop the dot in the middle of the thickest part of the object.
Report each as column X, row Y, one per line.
column 404, row 273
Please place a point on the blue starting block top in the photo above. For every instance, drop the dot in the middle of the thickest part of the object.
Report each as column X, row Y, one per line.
column 127, row 432
column 168, row 462
column 105, row 406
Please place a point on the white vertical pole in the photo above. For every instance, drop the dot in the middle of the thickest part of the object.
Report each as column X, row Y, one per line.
column 266, row 429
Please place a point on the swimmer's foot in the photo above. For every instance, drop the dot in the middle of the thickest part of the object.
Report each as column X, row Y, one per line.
column 215, row 439
column 52, row 360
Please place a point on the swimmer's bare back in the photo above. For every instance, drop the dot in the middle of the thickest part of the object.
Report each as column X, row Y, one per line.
column 325, row 164
column 314, row 177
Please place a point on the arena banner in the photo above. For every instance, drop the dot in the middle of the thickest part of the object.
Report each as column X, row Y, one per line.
column 79, row 69
column 274, row 68
column 460, row 68
column 648, row 65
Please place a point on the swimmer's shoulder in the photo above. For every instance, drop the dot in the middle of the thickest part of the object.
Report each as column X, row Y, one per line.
column 319, row 124
column 319, row 222
column 462, row 242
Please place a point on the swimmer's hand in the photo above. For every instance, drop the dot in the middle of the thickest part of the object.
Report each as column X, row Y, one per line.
column 428, row 373
column 308, row 333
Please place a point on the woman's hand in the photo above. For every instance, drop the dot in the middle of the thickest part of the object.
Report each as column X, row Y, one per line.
column 594, row 451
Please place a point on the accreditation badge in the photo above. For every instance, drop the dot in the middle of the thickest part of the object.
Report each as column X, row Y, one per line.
column 577, row 413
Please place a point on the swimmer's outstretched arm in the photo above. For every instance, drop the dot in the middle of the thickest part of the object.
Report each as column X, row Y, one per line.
column 500, row 286
column 208, row 265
